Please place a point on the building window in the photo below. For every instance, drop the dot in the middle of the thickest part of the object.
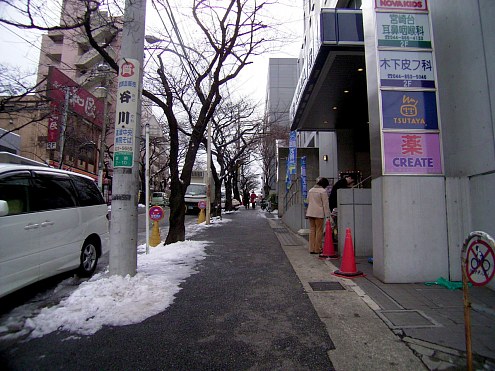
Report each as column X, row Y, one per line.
column 355, row 4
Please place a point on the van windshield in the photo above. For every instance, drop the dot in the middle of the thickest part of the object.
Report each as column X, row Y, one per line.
column 196, row 189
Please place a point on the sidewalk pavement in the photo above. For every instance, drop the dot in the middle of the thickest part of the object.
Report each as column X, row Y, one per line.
column 429, row 320
column 260, row 301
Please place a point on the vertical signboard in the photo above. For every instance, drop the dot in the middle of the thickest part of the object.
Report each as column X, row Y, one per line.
column 79, row 101
column 410, row 130
column 126, row 113
column 304, row 182
column 292, row 159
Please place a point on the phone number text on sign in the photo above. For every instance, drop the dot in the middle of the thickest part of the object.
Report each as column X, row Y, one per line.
column 126, row 112
column 406, row 69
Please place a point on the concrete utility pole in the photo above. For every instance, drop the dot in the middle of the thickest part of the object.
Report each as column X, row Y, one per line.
column 123, row 231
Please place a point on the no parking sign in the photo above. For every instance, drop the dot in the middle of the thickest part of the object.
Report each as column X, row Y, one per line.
column 478, row 266
column 478, row 258
column 156, row 213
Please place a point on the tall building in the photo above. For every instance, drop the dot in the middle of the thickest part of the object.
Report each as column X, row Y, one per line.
column 63, row 122
column 282, row 80
column 85, row 113
column 406, row 89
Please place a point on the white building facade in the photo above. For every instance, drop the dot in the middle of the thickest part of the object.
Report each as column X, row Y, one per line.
column 426, row 198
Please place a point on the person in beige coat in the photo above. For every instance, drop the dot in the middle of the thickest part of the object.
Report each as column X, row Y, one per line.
column 316, row 213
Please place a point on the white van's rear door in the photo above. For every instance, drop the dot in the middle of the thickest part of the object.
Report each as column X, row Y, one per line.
column 19, row 234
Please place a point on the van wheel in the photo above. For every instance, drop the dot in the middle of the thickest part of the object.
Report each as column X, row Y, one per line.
column 89, row 259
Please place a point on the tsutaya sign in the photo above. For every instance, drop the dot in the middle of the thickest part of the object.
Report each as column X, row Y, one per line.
column 410, row 130
column 126, row 112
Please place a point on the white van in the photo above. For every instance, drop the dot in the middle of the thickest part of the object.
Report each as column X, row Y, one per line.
column 51, row 221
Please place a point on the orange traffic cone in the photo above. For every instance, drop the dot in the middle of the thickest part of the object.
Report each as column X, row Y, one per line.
column 348, row 266
column 329, row 252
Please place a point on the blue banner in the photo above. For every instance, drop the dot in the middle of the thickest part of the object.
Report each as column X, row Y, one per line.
column 292, row 153
column 291, row 160
column 304, row 183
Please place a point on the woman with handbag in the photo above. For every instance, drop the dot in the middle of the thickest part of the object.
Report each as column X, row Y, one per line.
column 318, row 210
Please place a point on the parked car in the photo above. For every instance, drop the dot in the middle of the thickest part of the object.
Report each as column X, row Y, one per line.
column 159, row 198
column 51, row 221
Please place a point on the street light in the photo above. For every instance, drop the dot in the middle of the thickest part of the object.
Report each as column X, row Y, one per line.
column 104, row 69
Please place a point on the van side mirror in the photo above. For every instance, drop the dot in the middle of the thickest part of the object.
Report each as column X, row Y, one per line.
column 4, row 208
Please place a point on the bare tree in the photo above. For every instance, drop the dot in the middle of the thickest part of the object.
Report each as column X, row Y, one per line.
column 190, row 94
column 273, row 131
column 235, row 133
column 191, row 74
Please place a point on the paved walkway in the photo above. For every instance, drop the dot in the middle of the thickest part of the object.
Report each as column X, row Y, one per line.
column 429, row 319
column 260, row 301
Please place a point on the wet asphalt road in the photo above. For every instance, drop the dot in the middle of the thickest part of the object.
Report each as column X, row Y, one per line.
column 244, row 309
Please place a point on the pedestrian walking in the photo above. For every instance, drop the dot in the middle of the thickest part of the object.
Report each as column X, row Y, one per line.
column 253, row 200
column 245, row 199
column 316, row 213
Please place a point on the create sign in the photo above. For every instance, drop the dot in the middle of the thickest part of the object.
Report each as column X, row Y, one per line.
column 412, row 153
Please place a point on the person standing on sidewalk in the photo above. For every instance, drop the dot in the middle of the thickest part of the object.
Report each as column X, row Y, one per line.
column 316, row 213
column 253, row 200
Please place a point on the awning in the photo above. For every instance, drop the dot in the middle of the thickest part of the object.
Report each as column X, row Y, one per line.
column 332, row 87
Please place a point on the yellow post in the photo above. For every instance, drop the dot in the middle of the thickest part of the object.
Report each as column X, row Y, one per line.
column 155, row 237
column 201, row 216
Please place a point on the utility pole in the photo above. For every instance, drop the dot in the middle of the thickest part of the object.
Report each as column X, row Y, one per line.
column 123, row 231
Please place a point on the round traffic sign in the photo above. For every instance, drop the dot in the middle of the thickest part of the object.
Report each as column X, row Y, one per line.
column 478, row 258
column 202, row 204
column 156, row 213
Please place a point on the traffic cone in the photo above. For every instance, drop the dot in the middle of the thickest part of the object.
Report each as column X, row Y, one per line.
column 201, row 216
column 155, row 237
column 329, row 252
column 348, row 265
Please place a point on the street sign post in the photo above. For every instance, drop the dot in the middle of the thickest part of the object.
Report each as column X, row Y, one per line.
column 156, row 214
column 478, row 266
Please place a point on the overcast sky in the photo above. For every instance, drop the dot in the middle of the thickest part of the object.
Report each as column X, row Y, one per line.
column 20, row 49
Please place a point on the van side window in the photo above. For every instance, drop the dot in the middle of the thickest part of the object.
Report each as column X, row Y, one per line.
column 53, row 191
column 14, row 190
column 88, row 192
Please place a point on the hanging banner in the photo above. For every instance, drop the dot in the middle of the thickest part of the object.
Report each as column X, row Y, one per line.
column 126, row 112
column 291, row 159
column 304, row 183
column 292, row 152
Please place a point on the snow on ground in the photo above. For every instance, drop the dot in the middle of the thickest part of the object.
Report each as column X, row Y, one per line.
column 115, row 300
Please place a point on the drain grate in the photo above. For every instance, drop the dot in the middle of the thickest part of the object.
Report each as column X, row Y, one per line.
column 403, row 318
column 326, row 286
column 285, row 237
